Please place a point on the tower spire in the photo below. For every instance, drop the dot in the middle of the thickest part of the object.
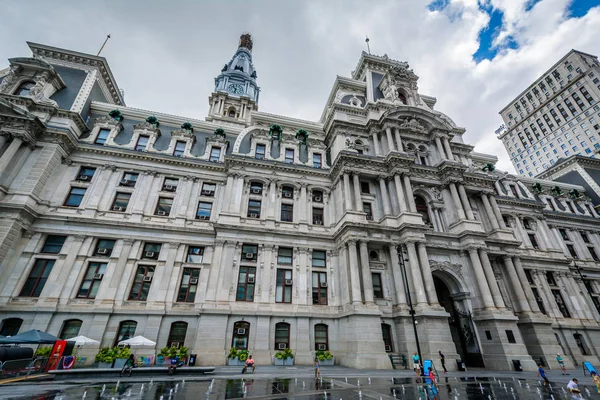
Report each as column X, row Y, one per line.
column 246, row 41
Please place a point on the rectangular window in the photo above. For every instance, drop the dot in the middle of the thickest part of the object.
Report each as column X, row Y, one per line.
column 121, row 201
column 316, row 160
column 142, row 143
column 102, row 136
column 563, row 234
column 141, row 283
column 195, row 254
column 560, row 302
column 538, row 300
column 179, row 149
column 246, row 282
column 364, row 188
column 129, row 179
column 260, row 151
column 170, row 184
column 319, row 288
column 572, row 251
column 188, row 286
column 164, row 206
column 289, row 156
column 254, row 208
column 529, row 276
column 319, row 259
column 317, row 215
column 249, row 252
column 215, row 154
column 151, row 250
column 285, row 255
column 510, row 336
column 75, row 197
column 92, row 280
column 86, row 173
column 283, row 289
column 377, row 287
column 287, row 212
column 204, row 210
column 533, row 240
column 584, row 237
column 256, row 188
column 208, row 189
column 367, row 210
column 287, row 192
column 53, row 244
column 104, row 247
column 593, row 253
column 37, row 278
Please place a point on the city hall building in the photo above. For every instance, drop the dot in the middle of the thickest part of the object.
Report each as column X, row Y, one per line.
column 265, row 232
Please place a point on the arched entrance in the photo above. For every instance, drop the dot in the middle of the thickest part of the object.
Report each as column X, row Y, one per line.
column 460, row 323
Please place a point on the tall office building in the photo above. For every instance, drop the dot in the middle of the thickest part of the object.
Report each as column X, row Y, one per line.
column 557, row 116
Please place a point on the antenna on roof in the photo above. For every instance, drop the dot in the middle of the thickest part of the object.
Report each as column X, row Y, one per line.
column 368, row 48
column 100, row 51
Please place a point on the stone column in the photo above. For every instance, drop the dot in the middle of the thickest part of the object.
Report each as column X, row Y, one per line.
column 489, row 211
column 354, row 273
column 497, row 212
column 541, row 228
column 520, row 298
column 448, row 149
column 400, row 194
column 418, row 286
column 303, row 204
column 347, row 194
column 456, row 199
column 465, row 201
column 491, row 279
column 366, row 272
column 390, row 139
column 526, row 288
column 522, row 232
column 484, row 289
column 98, row 186
column 398, row 139
column 357, row 194
column 426, row 272
column 397, row 274
column 409, row 194
column 566, row 291
column 228, row 192
column 376, row 143
column 9, row 153
column 438, row 144
column 385, row 198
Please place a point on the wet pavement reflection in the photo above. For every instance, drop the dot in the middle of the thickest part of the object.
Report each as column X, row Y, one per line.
column 453, row 388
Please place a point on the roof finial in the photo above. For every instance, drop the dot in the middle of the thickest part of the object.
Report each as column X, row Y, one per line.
column 368, row 48
column 100, row 51
column 246, row 41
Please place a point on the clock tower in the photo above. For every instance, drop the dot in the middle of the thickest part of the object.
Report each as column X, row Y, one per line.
column 236, row 93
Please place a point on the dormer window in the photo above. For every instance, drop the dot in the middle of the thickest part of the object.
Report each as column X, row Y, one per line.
column 102, row 136
column 231, row 112
column 215, row 154
column 179, row 149
column 142, row 143
column 289, row 156
column 260, row 151
column 24, row 88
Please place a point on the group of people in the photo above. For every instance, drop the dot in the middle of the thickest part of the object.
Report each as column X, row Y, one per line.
column 573, row 385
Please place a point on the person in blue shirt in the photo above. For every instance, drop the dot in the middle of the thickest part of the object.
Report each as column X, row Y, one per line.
column 417, row 364
column 542, row 374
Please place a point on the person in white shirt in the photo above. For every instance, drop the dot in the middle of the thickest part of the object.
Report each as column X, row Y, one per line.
column 573, row 386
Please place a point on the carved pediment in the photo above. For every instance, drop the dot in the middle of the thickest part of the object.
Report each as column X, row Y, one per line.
column 447, row 266
column 183, row 134
column 147, row 128
column 412, row 125
column 106, row 120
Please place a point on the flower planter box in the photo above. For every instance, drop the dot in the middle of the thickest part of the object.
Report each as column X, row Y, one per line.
column 119, row 363
column 104, row 365
column 235, row 362
column 325, row 363
column 286, row 361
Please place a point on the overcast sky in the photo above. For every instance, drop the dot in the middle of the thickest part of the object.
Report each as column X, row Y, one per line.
column 473, row 55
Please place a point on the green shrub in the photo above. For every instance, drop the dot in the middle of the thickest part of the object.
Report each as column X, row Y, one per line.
column 43, row 352
column 241, row 355
column 324, row 355
column 284, row 355
column 172, row 352
column 108, row 355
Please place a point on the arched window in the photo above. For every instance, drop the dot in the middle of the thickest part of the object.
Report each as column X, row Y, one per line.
column 24, row 88
column 386, row 332
column 241, row 333
column 177, row 334
column 231, row 112
column 282, row 336
column 402, row 97
column 321, row 337
column 70, row 329
column 126, row 331
column 11, row 326
column 422, row 209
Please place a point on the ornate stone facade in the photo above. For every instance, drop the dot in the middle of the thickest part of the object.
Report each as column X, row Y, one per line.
column 263, row 232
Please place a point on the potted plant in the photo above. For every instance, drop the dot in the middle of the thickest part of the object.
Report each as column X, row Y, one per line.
column 105, row 357
column 171, row 352
column 325, row 357
column 43, row 352
column 237, row 357
column 285, row 357
column 121, row 355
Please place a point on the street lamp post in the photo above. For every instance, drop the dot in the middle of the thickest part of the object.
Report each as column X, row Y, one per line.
column 411, row 309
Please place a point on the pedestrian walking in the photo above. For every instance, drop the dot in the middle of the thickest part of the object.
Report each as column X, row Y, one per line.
column 542, row 374
column 317, row 368
column 416, row 364
column 561, row 364
column 596, row 380
column 443, row 360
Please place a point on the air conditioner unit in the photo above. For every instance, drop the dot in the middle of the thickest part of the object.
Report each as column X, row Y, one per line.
column 208, row 192
column 253, row 215
column 193, row 281
column 287, row 194
column 102, row 251
column 256, row 190
column 124, row 182
column 162, row 213
column 147, row 279
column 388, row 348
column 369, row 218
column 170, row 188
column 288, row 282
column 318, row 222
column 322, row 347
column 250, row 256
column 197, row 251
column 241, row 331
column 282, row 346
column 323, row 284
column 83, row 177
column 149, row 254
column 176, row 345
column 250, row 279
column 318, row 199
column 117, row 208
column 205, row 217
column 98, row 276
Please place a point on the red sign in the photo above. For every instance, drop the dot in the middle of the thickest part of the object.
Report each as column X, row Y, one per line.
column 56, row 354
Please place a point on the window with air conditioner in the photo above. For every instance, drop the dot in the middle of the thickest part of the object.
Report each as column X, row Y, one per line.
column 121, row 202
column 245, row 286
column 241, row 334
column 195, row 254
column 321, row 337
column 317, row 216
column 319, row 288
column 256, row 188
column 204, row 210
column 317, row 196
column 208, row 189
column 282, row 336
column 104, row 247
column 254, row 208
column 163, row 207
column 141, row 283
column 249, row 252
column 368, row 210
column 129, row 179
column 170, row 184
column 177, row 334
column 92, row 280
column 287, row 192
column 188, row 285
column 86, row 174
column 151, row 250
column 283, row 288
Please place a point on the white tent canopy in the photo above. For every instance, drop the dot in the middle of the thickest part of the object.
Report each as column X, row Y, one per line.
column 83, row 341
column 138, row 341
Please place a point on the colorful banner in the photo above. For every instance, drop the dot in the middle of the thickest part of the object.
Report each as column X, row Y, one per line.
column 56, row 354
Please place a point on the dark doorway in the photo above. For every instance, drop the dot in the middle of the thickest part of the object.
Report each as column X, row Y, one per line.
column 461, row 327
